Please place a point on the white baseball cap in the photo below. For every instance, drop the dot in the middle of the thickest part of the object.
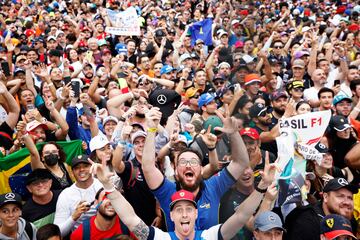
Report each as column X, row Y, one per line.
column 98, row 142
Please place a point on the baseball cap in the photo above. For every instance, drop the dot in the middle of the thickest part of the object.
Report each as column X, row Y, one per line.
column 184, row 57
column 205, row 99
column 235, row 22
column 333, row 226
column 322, row 148
column 198, row 41
column 51, row 37
column 340, row 97
column 213, row 121
column 182, row 195
column 251, row 78
column 31, row 126
column 278, row 94
column 257, row 110
column 10, row 198
column 137, row 134
column 18, row 70
column 223, row 64
column 166, row 69
column 38, row 174
column 190, row 92
column 339, row 123
column 268, row 220
column 338, row 183
column 121, row 48
column 294, row 84
column 98, row 142
column 219, row 76
column 250, row 132
column 80, row 159
column 299, row 63
column 105, row 51
column 222, row 33
column 58, row 32
column 110, row 118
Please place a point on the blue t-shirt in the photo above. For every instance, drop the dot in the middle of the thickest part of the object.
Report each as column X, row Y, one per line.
column 208, row 199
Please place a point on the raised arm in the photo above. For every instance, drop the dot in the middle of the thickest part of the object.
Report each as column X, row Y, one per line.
column 247, row 208
column 239, row 155
column 122, row 207
column 152, row 174
column 14, row 109
column 63, row 129
column 34, row 153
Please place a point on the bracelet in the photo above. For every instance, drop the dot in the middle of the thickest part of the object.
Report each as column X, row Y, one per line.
column 357, row 109
column 50, row 84
column 260, row 190
column 211, row 149
column 108, row 191
column 122, row 119
column 152, row 129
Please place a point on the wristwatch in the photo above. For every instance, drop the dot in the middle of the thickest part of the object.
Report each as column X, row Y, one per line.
column 260, row 190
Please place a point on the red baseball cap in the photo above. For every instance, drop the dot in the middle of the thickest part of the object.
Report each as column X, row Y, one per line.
column 250, row 132
column 182, row 195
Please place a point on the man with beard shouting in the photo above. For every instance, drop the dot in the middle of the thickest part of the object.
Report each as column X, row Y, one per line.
column 105, row 224
column 188, row 173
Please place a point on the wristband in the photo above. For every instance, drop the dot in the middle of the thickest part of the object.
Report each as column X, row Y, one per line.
column 122, row 119
column 152, row 130
column 211, row 149
column 260, row 190
column 108, row 191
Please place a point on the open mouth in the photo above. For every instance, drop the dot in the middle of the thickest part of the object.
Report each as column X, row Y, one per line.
column 185, row 226
column 189, row 174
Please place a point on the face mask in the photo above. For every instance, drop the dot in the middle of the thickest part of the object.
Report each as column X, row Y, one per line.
column 51, row 159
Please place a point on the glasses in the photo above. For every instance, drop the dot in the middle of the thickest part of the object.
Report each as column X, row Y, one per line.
column 193, row 162
column 144, row 83
column 298, row 89
column 237, row 60
column 40, row 181
column 278, row 47
column 217, row 83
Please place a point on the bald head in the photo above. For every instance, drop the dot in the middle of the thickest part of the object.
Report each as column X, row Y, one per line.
column 318, row 76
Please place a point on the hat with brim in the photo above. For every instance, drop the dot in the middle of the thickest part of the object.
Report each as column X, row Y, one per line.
column 98, row 142
column 38, row 174
column 10, row 198
column 31, row 126
column 182, row 195
column 339, row 123
column 338, row 183
column 80, row 159
column 136, row 135
column 341, row 97
column 268, row 220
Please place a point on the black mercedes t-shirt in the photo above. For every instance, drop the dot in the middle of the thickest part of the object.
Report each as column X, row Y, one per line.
column 40, row 214
column 137, row 192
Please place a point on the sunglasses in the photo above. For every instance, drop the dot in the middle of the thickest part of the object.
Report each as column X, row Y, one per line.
column 144, row 83
column 298, row 89
column 237, row 60
column 217, row 83
column 278, row 47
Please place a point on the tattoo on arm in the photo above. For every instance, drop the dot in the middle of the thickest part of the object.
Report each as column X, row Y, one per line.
column 141, row 231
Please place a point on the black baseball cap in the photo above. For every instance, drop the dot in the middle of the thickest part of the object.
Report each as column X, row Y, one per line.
column 38, row 174
column 80, row 159
column 10, row 198
column 333, row 226
column 257, row 110
column 338, row 183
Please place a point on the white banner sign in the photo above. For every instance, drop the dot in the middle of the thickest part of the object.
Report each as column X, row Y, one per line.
column 124, row 23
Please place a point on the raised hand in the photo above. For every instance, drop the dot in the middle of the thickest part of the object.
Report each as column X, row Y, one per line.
column 3, row 88
column 209, row 138
column 230, row 125
column 153, row 117
column 268, row 173
column 102, row 173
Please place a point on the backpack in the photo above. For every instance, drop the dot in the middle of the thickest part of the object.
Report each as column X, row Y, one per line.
column 197, row 235
column 86, row 229
column 29, row 230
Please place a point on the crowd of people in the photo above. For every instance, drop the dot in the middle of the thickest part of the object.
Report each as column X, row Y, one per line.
column 178, row 124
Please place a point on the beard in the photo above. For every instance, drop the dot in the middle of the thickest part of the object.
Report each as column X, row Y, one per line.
column 265, row 123
column 191, row 188
column 106, row 216
column 279, row 111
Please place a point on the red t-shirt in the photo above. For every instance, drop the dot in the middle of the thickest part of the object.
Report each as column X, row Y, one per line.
column 96, row 233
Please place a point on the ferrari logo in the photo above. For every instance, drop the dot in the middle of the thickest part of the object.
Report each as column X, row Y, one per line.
column 330, row 222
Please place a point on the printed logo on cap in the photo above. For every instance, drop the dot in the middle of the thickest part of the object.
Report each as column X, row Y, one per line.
column 161, row 99
column 10, row 196
column 182, row 194
column 330, row 222
column 271, row 218
column 80, row 156
column 343, row 182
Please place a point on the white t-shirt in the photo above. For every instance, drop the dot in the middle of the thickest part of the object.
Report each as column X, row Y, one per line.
column 345, row 89
column 209, row 234
column 67, row 202
column 311, row 94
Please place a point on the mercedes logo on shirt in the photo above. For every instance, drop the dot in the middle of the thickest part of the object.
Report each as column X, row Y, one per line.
column 161, row 99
